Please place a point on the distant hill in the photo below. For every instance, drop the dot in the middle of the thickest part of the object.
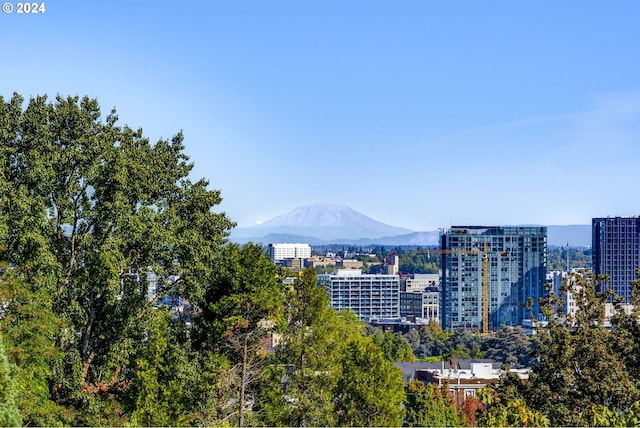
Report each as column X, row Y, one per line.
column 577, row 235
column 321, row 224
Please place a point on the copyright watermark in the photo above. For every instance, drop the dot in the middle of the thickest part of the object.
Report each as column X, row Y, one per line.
column 24, row 8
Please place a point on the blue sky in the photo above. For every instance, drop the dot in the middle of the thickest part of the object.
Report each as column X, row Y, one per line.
column 420, row 114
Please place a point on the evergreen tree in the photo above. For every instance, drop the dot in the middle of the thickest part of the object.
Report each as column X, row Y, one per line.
column 243, row 299
column 30, row 329
column 511, row 346
column 165, row 389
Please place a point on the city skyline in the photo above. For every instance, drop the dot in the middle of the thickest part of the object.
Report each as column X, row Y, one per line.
column 418, row 114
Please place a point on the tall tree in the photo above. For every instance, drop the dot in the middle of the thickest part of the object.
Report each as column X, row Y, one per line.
column 89, row 209
column 29, row 327
column 370, row 390
column 298, row 388
column 165, row 390
column 243, row 299
column 325, row 372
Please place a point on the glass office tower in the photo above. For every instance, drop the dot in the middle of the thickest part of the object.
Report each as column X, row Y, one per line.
column 616, row 252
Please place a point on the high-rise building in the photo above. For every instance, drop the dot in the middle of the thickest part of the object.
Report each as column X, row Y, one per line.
column 616, row 252
column 371, row 297
column 516, row 267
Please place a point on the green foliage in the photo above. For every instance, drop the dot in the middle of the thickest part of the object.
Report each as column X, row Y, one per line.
column 579, row 258
column 299, row 386
column 30, row 328
column 583, row 372
column 370, row 390
column 394, row 346
column 602, row 416
column 583, row 365
column 87, row 208
column 431, row 406
column 412, row 261
column 245, row 289
column 243, row 299
column 313, row 375
column 507, row 413
column 9, row 412
column 431, row 343
column 586, row 372
column 165, row 378
column 511, row 346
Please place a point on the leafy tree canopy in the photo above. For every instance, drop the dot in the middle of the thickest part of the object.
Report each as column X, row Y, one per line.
column 88, row 208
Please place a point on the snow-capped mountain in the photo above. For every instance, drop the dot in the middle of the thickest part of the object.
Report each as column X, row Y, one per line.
column 320, row 224
column 324, row 222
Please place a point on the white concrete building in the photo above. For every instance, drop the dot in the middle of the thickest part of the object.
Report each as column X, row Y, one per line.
column 429, row 285
column 420, row 281
column 371, row 297
column 281, row 251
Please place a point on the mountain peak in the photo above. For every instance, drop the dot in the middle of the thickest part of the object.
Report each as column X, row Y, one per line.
column 320, row 215
column 325, row 221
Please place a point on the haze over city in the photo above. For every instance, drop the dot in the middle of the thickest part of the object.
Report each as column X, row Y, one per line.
column 417, row 114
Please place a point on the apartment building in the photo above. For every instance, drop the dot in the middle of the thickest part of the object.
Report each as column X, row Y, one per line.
column 371, row 297
column 282, row 251
column 516, row 266
column 616, row 252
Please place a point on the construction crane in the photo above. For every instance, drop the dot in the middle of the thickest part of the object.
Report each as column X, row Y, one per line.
column 485, row 277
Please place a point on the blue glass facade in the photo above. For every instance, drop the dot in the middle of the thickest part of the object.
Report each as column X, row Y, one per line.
column 517, row 263
column 616, row 252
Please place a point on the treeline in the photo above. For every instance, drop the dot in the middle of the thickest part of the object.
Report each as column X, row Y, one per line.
column 558, row 258
column 414, row 260
column 508, row 345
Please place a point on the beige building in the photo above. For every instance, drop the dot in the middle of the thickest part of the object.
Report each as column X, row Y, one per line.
column 315, row 261
column 349, row 264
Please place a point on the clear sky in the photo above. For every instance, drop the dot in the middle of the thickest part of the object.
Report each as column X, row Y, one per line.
column 420, row 114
